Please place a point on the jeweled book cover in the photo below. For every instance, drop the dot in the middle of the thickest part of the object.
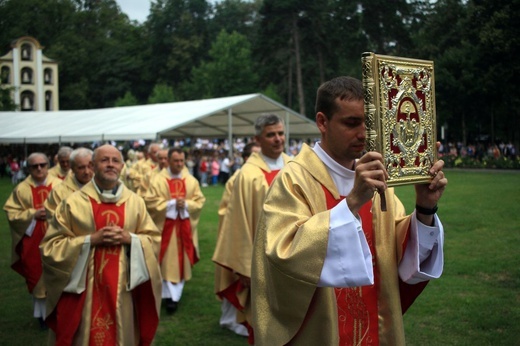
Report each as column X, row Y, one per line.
column 400, row 115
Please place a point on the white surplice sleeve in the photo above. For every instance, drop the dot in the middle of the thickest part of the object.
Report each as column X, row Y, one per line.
column 30, row 229
column 77, row 283
column 172, row 212
column 424, row 255
column 138, row 271
column 348, row 262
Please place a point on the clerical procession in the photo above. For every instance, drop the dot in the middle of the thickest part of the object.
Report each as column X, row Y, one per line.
column 108, row 244
column 258, row 173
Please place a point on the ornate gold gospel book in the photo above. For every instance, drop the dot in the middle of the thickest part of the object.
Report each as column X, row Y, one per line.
column 400, row 115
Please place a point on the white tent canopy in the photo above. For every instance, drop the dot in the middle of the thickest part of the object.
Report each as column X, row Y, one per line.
column 225, row 117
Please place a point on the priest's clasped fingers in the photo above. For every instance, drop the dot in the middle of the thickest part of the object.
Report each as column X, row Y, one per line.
column 40, row 214
column 181, row 203
column 110, row 235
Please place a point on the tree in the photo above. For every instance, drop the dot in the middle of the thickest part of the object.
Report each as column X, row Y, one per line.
column 6, row 101
column 493, row 30
column 127, row 100
column 385, row 24
column 441, row 39
column 45, row 20
column 280, row 44
column 228, row 72
column 473, row 45
column 176, row 32
column 235, row 15
column 271, row 92
column 162, row 93
column 116, row 64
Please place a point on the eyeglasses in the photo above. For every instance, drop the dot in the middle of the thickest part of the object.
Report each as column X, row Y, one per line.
column 36, row 165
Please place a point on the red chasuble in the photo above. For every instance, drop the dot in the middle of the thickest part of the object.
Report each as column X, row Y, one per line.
column 357, row 306
column 30, row 263
column 182, row 229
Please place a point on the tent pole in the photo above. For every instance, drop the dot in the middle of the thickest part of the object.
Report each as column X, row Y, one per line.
column 230, row 133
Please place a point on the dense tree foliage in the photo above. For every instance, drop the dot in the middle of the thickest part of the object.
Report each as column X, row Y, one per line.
column 190, row 49
column 162, row 93
column 128, row 100
column 230, row 55
column 6, row 101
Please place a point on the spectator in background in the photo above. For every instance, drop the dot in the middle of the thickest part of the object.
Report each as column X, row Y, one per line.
column 215, row 169
column 203, row 171
column 225, row 168
column 190, row 163
column 3, row 166
column 14, row 168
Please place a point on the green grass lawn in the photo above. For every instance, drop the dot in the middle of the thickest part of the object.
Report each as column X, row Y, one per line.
column 476, row 301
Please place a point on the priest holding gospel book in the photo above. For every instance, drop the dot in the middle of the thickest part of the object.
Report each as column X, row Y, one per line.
column 329, row 266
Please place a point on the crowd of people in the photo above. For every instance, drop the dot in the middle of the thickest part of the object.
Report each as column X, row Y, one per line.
column 480, row 150
column 305, row 253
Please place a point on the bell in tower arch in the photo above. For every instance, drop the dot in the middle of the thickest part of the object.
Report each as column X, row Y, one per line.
column 27, row 103
column 25, row 77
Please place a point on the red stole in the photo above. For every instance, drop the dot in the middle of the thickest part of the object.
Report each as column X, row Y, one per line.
column 269, row 176
column 357, row 306
column 30, row 263
column 103, row 329
column 182, row 228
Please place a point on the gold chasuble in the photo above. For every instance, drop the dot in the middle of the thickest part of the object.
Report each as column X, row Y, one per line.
column 180, row 242
column 57, row 172
column 21, row 206
column 59, row 193
column 290, row 248
column 106, row 306
column 138, row 173
column 225, row 278
column 234, row 248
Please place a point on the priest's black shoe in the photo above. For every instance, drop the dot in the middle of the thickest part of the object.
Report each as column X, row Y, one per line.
column 171, row 306
column 43, row 325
